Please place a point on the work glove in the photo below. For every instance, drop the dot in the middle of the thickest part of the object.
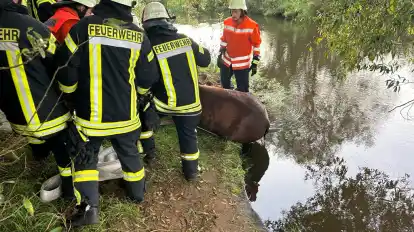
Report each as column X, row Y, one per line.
column 75, row 144
column 147, row 111
column 255, row 62
column 219, row 59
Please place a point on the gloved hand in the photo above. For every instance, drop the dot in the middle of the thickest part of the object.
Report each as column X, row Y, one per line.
column 75, row 143
column 147, row 111
column 219, row 59
column 255, row 62
column 144, row 101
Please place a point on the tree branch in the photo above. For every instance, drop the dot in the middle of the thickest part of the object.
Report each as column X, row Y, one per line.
column 411, row 101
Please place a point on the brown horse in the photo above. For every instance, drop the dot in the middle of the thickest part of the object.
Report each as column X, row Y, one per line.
column 234, row 115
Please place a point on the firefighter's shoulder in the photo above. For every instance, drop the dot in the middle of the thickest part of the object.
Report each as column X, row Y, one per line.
column 23, row 27
column 228, row 20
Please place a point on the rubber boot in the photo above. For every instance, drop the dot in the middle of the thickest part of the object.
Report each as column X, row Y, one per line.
column 67, row 189
column 135, row 190
column 190, row 169
column 149, row 158
column 84, row 215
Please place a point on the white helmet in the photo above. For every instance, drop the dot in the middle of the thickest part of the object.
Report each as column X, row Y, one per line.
column 154, row 10
column 237, row 4
column 88, row 3
column 124, row 2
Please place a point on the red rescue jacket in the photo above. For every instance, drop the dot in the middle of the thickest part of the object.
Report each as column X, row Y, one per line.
column 61, row 22
column 240, row 40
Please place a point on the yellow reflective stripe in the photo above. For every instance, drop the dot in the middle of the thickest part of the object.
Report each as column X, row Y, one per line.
column 68, row 89
column 134, row 176
column 41, row 133
column 185, row 107
column 190, row 156
column 70, row 44
column 193, row 69
column 109, row 131
column 255, row 62
column 192, row 110
column 140, row 148
column 52, row 44
column 66, row 172
column 95, row 66
column 201, row 49
column 83, row 137
column 86, row 175
column 21, row 84
column 142, row 91
column 42, row 126
column 44, row 1
column 32, row 140
column 146, row 135
column 132, row 63
column 105, row 125
column 150, row 56
column 168, row 82
column 146, row 106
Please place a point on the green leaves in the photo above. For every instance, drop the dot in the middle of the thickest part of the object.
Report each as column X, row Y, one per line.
column 29, row 206
column 361, row 29
column 57, row 229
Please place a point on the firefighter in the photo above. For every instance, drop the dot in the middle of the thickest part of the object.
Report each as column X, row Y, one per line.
column 111, row 67
column 241, row 36
column 41, row 10
column 177, row 93
column 67, row 14
column 149, row 119
column 43, row 120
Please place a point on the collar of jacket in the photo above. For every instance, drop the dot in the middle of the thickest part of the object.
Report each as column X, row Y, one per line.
column 67, row 9
column 107, row 9
column 13, row 7
column 159, row 27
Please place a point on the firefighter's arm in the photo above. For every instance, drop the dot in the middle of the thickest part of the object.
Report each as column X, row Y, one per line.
column 256, row 41
column 68, row 60
column 64, row 29
column 201, row 54
column 51, row 47
column 146, row 69
column 44, row 9
column 223, row 41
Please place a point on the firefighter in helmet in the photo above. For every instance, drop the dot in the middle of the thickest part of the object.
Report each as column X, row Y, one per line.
column 177, row 93
column 112, row 66
column 241, row 38
column 25, row 85
column 67, row 14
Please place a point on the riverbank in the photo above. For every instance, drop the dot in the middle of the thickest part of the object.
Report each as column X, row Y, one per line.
column 215, row 203
column 196, row 9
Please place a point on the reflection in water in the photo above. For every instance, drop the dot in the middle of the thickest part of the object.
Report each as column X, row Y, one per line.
column 255, row 161
column 368, row 201
column 317, row 117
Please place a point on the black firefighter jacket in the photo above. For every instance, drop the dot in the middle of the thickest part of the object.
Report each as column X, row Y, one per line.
column 112, row 64
column 41, row 10
column 25, row 83
column 177, row 93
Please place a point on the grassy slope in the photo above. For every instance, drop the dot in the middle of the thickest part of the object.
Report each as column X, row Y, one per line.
column 172, row 204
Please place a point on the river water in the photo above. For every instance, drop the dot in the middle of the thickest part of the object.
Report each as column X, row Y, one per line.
column 318, row 120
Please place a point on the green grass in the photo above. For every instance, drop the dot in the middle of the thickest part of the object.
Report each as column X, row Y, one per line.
column 218, row 157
